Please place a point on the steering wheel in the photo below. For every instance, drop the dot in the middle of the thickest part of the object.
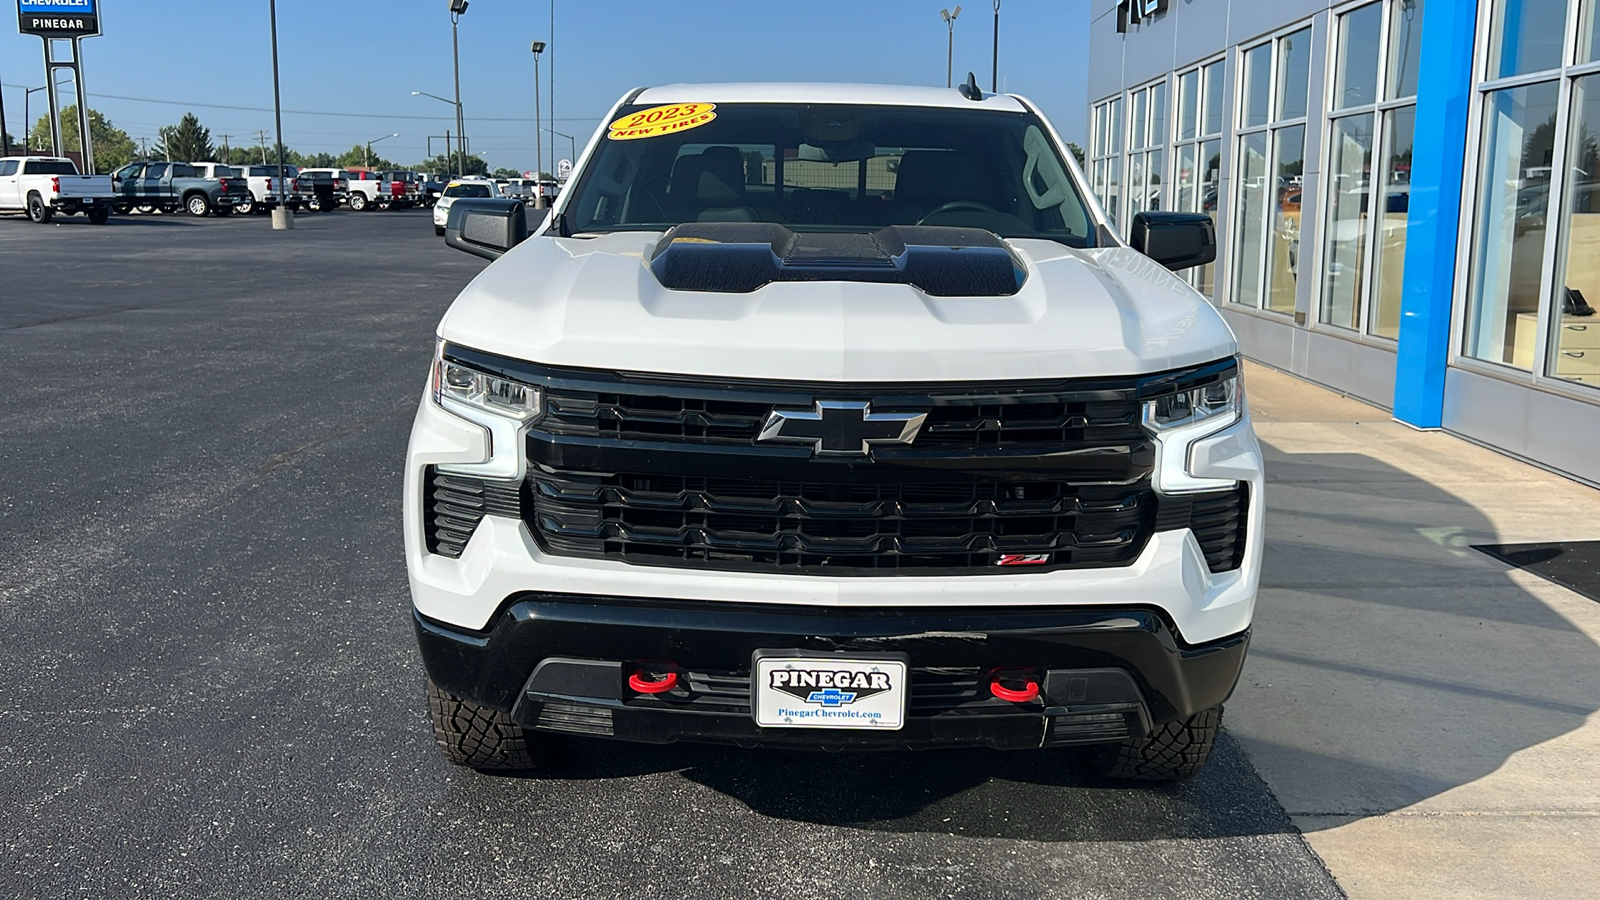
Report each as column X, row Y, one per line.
column 957, row 206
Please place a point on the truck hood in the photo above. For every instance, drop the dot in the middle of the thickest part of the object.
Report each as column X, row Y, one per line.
column 593, row 303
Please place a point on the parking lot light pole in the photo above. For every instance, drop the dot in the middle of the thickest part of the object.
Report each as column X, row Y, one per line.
column 282, row 215
column 950, row 43
column 366, row 158
column 457, row 8
column 27, row 126
column 538, row 136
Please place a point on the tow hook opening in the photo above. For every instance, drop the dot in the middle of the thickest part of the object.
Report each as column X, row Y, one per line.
column 653, row 678
column 1015, row 685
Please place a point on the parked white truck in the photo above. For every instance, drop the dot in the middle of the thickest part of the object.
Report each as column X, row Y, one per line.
column 266, row 188
column 832, row 416
column 41, row 186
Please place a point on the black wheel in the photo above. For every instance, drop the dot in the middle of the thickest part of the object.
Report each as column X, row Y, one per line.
column 483, row 738
column 123, row 209
column 438, row 230
column 99, row 215
column 197, row 205
column 147, row 209
column 358, row 202
column 314, row 204
column 1171, row 752
column 38, row 211
column 224, row 211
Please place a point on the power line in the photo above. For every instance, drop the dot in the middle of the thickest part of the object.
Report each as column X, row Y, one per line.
column 307, row 112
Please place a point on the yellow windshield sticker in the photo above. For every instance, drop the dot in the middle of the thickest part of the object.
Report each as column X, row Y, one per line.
column 660, row 120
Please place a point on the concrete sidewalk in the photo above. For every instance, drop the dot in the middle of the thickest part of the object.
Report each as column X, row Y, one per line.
column 1426, row 714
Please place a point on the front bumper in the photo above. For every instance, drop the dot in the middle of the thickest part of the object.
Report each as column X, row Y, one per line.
column 559, row 662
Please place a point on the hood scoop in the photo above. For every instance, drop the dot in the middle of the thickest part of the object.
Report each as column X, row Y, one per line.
column 741, row 257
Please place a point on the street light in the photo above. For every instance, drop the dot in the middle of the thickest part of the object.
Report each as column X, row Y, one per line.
column 538, row 127
column 462, row 138
column 950, row 46
column 570, row 139
column 457, row 8
column 27, row 115
column 366, row 158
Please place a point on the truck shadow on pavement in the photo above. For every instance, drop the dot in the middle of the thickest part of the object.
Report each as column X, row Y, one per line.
column 1390, row 664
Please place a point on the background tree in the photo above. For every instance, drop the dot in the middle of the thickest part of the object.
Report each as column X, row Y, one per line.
column 1076, row 151
column 507, row 172
column 187, row 141
column 357, row 156
column 474, row 165
column 113, row 149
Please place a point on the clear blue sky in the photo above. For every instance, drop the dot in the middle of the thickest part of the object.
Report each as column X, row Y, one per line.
column 345, row 57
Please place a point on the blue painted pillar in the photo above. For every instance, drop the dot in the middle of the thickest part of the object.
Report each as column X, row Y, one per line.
column 1444, row 93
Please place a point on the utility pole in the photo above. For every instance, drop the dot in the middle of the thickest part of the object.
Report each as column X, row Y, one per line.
column 5, row 136
column 225, row 154
column 261, row 136
column 552, row 107
column 950, row 44
column 994, row 78
column 144, row 148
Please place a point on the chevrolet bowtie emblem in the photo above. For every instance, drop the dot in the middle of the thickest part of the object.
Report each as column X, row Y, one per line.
column 841, row 427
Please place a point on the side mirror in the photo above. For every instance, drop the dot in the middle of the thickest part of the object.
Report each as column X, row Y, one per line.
column 486, row 228
column 1175, row 240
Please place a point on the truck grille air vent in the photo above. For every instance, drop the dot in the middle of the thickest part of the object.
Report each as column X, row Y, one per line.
column 1217, row 519
column 837, row 528
column 1017, row 421
column 453, row 505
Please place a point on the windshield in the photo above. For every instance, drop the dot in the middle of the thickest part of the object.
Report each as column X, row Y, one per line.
column 467, row 190
column 829, row 168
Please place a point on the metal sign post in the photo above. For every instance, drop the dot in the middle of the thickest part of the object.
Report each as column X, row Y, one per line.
column 66, row 21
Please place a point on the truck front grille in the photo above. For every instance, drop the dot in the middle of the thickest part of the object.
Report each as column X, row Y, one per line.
column 839, row 527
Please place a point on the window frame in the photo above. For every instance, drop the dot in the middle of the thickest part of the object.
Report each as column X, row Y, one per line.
column 1106, row 157
column 1380, row 112
column 1239, row 133
column 1152, row 144
column 1218, row 64
column 1552, row 253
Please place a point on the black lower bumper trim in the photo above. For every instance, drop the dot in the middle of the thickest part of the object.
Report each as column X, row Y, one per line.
column 560, row 662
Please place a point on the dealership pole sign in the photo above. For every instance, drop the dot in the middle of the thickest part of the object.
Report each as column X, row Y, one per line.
column 59, row 18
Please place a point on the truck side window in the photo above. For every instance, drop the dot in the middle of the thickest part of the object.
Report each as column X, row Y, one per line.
column 8, row 167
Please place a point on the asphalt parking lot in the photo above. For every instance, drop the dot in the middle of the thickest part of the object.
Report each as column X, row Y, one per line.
column 213, row 688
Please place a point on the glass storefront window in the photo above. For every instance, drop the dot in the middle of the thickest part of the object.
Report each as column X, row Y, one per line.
column 1574, row 344
column 1294, row 73
column 1512, row 209
column 1525, row 36
column 1210, row 185
column 1188, row 104
column 1345, row 236
column 1106, row 159
column 1405, row 48
column 1283, row 262
column 1399, row 127
column 1212, row 109
column 1186, row 182
column 1588, row 31
column 1254, row 188
column 1257, row 85
column 1355, row 79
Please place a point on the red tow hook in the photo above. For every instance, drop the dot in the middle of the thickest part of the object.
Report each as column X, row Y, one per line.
column 644, row 682
column 1026, row 694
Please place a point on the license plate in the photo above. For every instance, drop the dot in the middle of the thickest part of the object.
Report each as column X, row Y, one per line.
column 793, row 690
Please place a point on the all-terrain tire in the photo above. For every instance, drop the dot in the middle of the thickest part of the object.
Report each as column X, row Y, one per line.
column 483, row 738
column 38, row 211
column 99, row 215
column 1171, row 752
column 438, row 230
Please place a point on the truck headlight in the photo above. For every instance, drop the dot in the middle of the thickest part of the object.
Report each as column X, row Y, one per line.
column 502, row 406
column 484, row 391
column 1179, row 419
column 1217, row 404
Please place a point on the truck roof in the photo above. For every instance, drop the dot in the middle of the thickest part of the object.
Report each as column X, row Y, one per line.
column 801, row 92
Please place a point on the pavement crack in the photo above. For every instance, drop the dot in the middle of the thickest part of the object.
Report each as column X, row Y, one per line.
column 283, row 458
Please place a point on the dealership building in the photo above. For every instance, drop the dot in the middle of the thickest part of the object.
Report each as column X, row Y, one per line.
column 1406, row 192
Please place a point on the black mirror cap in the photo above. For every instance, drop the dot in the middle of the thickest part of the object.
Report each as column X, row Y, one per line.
column 486, row 227
column 1175, row 240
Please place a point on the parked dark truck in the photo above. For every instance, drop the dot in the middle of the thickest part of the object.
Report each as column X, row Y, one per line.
column 170, row 187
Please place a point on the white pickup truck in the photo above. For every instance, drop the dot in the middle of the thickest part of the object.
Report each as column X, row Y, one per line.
column 266, row 187
column 41, row 186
